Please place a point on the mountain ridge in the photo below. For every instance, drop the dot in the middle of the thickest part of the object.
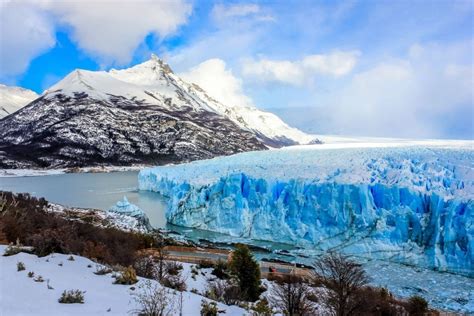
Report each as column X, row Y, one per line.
column 142, row 114
column 14, row 98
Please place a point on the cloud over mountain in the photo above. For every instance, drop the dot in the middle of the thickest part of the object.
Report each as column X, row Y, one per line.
column 298, row 72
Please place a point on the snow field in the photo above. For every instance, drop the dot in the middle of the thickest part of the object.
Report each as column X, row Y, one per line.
column 21, row 295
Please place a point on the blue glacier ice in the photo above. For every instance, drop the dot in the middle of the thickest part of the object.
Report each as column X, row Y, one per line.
column 124, row 207
column 408, row 203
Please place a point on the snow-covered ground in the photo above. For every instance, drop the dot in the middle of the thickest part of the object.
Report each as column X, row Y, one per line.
column 21, row 295
column 137, row 222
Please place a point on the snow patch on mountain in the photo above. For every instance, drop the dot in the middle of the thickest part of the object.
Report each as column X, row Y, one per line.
column 14, row 98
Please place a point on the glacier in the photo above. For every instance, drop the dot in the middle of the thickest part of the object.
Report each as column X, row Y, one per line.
column 406, row 202
column 124, row 207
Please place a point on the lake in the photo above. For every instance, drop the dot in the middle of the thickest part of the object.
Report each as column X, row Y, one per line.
column 91, row 190
column 103, row 190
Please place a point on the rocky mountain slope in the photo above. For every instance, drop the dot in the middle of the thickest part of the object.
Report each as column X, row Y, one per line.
column 14, row 98
column 144, row 114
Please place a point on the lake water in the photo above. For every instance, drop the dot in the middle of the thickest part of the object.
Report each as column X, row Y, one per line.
column 91, row 190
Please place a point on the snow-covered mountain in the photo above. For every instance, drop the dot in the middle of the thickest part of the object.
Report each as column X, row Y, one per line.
column 268, row 127
column 154, row 82
column 14, row 98
column 143, row 114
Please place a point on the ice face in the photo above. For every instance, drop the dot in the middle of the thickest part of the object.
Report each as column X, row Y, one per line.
column 124, row 207
column 407, row 204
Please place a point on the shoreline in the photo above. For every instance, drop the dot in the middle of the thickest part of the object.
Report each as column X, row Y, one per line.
column 11, row 173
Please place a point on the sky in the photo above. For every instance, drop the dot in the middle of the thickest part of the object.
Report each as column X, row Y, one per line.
column 367, row 68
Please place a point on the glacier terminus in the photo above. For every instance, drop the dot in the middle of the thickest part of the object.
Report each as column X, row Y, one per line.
column 409, row 202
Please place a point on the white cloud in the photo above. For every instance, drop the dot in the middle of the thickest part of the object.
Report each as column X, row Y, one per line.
column 25, row 33
column 267, row 70
column 427, row 94
column 337, row 63
column 109, row 30
column 220, row 11
column 213, row 76
column 112, row 30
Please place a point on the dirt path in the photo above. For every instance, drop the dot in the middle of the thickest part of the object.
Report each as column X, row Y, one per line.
column 199, row 255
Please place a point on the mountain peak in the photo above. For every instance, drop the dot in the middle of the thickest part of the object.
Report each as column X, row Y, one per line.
column 165, row 68
column 14, row 98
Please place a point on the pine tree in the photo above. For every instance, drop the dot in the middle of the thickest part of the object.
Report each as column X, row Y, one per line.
column 247, row 272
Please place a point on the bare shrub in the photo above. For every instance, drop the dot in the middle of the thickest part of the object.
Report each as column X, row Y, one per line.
column 262, row 308
column 290, row 295
column 224, row 291
column 417, row 305
column 194, row 272
column 344, row 278
column 102, row 270
column 175, row 282
column 47, row 241
column 145, row 267
column 20, row 266
column 378, row 301
column 161, row 255
column 72, row 297
column 12, row 250
column 96, row 251
column 221, row 270
column 154, row 300
column 173, row 267
column 209, row 308
column 205, row 264
column 127, row 276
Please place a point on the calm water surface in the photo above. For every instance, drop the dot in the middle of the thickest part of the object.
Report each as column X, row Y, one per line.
column 103, row 190
column 91, row 190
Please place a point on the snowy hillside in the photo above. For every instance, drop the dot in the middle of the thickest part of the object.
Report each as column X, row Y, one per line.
column 14, row 98
column 21, row 295
column 411, row 202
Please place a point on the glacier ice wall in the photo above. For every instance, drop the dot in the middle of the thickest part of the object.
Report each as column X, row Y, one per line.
column 379, row 221
column 381, row 218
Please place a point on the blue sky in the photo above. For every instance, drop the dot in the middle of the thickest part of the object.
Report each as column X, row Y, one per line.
column 375, row 68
